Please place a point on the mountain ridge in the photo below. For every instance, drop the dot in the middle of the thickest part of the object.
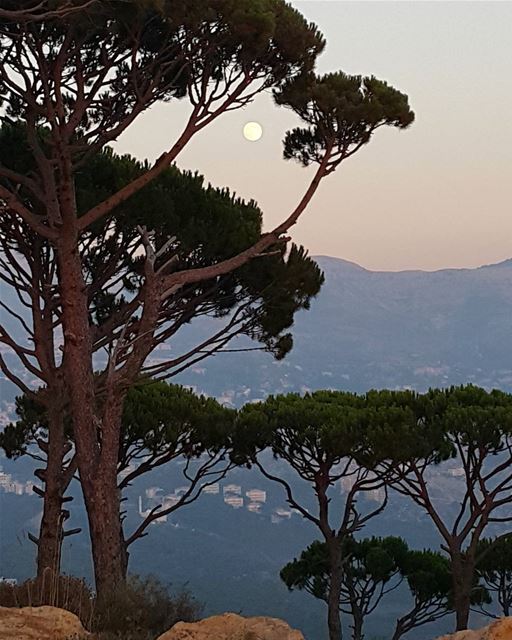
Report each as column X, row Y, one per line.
column 375, row 329
column 368, row 329
column 507, row 263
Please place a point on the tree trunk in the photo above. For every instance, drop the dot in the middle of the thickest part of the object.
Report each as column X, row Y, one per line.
column 398, row 632
column 506, row 599
column 462, row 581
column 462, row 603
column 401, row 628
column 49, row 544
column 335, row 584
column 96, row 438
column 96, row 423
column 357, row 626
column 103, row 501
column 107, row 541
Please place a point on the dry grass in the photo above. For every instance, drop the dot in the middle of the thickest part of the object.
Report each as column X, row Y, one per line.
column 65, row 592
column 142, row 610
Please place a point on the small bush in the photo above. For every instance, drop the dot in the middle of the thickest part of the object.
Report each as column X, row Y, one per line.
column 65, row 592
column 142, row 610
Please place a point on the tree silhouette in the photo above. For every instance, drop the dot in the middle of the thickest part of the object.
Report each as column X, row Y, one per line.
column 39, row 10
column 325, row 438
column 258, row 301
column 494, row 568
column 473, row 428
column 373, row 567
column 83, row 80
column 161, row 423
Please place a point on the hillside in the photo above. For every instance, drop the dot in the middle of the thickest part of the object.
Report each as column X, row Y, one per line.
column 366, row 329
column 374, row 329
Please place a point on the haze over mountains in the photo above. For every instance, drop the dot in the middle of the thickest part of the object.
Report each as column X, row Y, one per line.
column 375, row 329
column 366, row 329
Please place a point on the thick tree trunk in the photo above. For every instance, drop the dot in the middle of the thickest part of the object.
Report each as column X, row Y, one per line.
column 96, row 422
column 335, row 584
column 96, row 438
column 103, row 502
column 462, row 604
column 108, row 546
column 462, row 579
column 505, row 597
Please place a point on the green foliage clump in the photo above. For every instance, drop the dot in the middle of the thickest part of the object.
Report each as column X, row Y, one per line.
column 371, row 560
column 372, row 567
column 494, row 568
column 341, row 112
column 159, row 416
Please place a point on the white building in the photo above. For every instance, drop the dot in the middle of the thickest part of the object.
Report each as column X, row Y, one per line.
column 280, row 514
column 347, row 483
column 257, row 495
column 235, row 489
column 234, row 501
column 377, row 495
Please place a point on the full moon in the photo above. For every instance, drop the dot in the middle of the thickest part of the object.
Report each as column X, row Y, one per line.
column 253, row 131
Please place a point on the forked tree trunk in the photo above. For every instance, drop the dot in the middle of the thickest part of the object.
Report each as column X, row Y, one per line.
column 96, row 436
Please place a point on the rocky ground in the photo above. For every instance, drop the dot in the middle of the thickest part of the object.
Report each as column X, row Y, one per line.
column 40, row 623
column 49, row 623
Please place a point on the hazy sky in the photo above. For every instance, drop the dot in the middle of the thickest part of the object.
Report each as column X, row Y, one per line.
column 436, row 195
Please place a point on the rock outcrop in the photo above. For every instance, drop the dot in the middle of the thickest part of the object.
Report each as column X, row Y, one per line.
column 40, row 623
column 232, row 627
column 499, row 630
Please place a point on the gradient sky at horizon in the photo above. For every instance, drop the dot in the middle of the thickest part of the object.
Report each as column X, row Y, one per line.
column 434, row 196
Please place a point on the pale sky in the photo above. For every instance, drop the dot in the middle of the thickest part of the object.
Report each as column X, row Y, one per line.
column 436, row 195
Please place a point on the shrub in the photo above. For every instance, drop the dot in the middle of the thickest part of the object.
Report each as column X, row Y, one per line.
column 142, row 610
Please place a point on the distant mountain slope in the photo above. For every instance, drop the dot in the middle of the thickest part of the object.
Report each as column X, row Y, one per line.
column 383, row 329
column 367, row 329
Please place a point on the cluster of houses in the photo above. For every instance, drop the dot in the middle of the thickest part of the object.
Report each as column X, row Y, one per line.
column 232, row 495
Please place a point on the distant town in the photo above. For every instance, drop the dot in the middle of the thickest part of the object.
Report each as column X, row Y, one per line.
column 232, row 494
